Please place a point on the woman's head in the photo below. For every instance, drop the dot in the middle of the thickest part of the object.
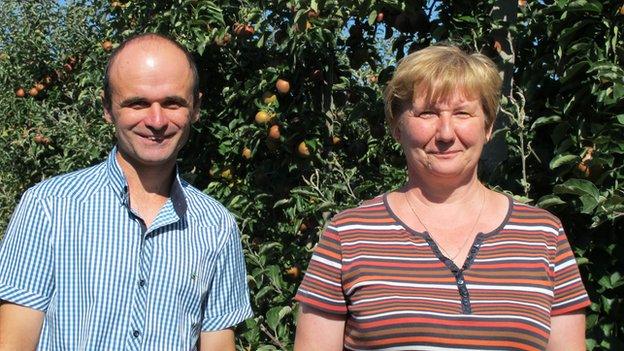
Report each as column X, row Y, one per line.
column 438, row 73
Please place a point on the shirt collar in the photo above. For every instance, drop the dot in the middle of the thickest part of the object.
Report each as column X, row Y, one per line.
column 119, row 185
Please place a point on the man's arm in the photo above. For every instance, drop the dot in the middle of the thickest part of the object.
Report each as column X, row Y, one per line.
column 319, row 331
column 20, row 327
column 567, row 332
column 217, row 340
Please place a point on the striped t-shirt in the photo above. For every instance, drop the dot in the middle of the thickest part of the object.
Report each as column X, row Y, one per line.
column 400, row 293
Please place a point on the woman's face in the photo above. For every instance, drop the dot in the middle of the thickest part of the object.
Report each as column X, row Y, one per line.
column 443, row 139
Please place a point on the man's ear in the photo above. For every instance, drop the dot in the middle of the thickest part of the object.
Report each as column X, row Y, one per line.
column 107, row 115
column 196, row 108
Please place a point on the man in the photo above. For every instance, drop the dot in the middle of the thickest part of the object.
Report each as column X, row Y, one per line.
column 125, row 255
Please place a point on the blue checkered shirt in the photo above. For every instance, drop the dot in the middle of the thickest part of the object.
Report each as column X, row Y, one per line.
column 76, row 250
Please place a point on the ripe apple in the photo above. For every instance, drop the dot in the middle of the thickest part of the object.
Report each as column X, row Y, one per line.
column 293, row 272
column 246, row 153
column 282, row 86
column 303, row 150
column 107, row 45
column 20, row 92
column 274, row 132
column 33, row 92
column 262, row 117
column 41, row 139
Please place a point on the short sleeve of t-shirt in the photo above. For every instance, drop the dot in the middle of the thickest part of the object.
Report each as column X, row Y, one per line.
column 227, row 303
column 322, row 285
column 26, row 256
column 569, row 292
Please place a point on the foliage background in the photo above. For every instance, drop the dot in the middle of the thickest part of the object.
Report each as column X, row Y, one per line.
column 560, row 142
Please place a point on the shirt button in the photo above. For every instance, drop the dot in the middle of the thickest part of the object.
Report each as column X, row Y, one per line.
column 142, row 283
column 136, row 333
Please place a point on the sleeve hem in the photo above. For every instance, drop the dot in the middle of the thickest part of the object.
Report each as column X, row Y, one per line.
column 571, row 309
column 337, row 311
column 214, row 323
column 23, row 297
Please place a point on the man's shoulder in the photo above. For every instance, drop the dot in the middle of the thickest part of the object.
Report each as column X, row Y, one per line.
column 73, row 184
column 204, row 208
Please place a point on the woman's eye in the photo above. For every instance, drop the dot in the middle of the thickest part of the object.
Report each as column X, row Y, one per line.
column 427, row 114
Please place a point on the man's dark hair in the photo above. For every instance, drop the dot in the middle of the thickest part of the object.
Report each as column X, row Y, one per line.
column 139, row 37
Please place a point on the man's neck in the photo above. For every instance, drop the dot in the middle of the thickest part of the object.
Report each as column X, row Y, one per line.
column 148, row 187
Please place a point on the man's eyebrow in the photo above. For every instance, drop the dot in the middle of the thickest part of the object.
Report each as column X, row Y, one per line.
column 132, row 101
column 167, row 100
column 177, row 100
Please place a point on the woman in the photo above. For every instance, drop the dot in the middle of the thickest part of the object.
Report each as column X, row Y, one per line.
column 444, row 263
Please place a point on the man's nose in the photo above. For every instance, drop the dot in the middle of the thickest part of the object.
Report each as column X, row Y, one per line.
column 156, row 118
column 445, row 131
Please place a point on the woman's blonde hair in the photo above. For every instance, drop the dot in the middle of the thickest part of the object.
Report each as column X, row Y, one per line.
column 437, row 72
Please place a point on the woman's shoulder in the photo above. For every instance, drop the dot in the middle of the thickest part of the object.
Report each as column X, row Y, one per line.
column 371, row 208
column 528, row 214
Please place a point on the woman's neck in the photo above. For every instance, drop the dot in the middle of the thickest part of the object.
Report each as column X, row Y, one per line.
column 444, row 190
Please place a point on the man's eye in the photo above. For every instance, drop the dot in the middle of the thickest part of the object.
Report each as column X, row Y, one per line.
column 172, row 105
column 138, row 105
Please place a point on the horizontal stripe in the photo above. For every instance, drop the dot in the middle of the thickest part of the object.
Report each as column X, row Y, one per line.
column 398, row 294
column 326, row 261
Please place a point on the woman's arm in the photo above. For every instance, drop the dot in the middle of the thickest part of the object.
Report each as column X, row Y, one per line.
column 567, row 332
column 317, row 330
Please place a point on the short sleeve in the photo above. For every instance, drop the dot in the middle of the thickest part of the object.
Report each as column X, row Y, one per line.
column 321, row 287
column 227, row 302
column 26, row 256
column 569, row 292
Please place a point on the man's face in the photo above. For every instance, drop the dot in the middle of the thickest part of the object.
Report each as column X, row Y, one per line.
column 152, row 105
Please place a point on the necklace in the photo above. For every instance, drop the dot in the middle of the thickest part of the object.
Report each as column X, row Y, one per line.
column 461, row 248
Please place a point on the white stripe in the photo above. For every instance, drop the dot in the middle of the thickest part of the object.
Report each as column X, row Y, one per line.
column 455, row 316
column 474, row 302
column 394, row 297
column 343, row 228
column 555, row 305
column 505, row 259
column 530, row 228
column 519, row 243
column 422, row 348
column 566, row 264
column 371, row 242
column 326, row 261
column 320, row 296
column 310, row 275
column 573, row 281
column 543, row 291
column 404, row 285
column 391, row 258
column 371, row 205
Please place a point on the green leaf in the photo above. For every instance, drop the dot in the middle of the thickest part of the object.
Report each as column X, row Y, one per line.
column 577, row 187
column 549, row 201
column 372, row 17
column 560, row 160
column 275, row 315
column 545, row 120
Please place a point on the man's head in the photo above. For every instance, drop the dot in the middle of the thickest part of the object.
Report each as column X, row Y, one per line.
column 149, row 36
column 151, row 97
